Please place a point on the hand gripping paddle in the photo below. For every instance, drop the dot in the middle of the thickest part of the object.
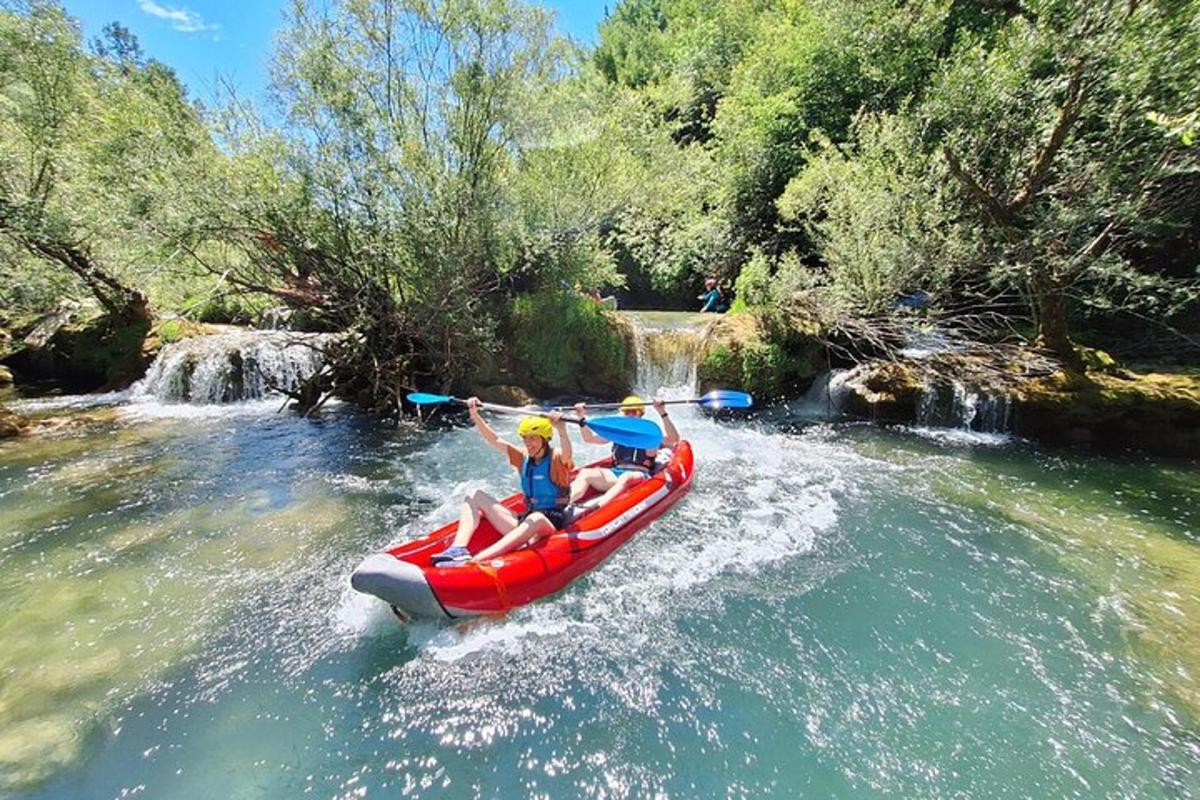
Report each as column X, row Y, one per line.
column 628, row 431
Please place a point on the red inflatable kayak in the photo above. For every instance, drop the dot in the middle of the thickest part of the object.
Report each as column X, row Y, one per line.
column 405, row 577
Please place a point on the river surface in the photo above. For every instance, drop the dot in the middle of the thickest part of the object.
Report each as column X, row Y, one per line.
column 836, row 610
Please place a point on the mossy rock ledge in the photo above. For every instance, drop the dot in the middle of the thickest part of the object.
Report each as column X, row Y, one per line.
column 557, row 344
column 1108, row 409
column 769, row 357
column 100, row 353
column 1158, row 413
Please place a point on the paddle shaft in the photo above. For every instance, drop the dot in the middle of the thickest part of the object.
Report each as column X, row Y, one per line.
column 499, row 409
column 628, row 431
column 592, row 406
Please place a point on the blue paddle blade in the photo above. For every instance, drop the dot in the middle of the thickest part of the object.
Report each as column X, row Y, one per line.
column 726, row 398
column 422, row 399
column 629, row 431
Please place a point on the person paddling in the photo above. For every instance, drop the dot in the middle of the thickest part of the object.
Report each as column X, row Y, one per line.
column 545, row 481
column 630, row 465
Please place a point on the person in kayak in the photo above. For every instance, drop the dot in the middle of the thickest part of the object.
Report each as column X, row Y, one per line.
column 630, row 465
column 545, row 481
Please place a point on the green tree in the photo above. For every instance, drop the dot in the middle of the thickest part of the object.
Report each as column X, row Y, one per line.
column 420, row 176
column 95, row 153
column 1049, row 140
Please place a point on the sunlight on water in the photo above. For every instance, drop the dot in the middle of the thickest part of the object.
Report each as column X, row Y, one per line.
column 107, row 583
column 834, row 611
column 1145, row 569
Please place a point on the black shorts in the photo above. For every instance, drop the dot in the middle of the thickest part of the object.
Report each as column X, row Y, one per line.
column 557, row 517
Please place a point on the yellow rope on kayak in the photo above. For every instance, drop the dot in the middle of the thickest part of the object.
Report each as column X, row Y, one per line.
column 501, row 589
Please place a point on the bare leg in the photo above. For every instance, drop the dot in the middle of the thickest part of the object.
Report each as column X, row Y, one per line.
column 534, row 525
column 596, row 478
column 621, row 484
column 479, row 503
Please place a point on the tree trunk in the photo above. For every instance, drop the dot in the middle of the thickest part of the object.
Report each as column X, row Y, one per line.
column 1050, row 309
column 117, row 298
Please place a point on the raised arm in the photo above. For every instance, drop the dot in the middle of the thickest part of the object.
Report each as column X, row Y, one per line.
column 564, row 440
column 485, row 430
column 585, row 431
column 670, row 435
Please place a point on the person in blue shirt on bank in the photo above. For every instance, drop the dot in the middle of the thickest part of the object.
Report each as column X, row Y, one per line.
column 714, row 301
column 630, row 464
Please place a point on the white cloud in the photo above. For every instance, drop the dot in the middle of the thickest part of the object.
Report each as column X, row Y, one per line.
column 181, row 19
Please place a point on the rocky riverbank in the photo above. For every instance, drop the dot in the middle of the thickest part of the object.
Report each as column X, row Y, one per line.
column 551, row 346
column 1106, row 406
column 1109, row 409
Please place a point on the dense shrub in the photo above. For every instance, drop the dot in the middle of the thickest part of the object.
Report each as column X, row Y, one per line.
column 561, row 341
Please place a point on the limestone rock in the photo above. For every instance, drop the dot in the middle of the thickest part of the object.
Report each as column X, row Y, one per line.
column 11, row 423
column 883, row 391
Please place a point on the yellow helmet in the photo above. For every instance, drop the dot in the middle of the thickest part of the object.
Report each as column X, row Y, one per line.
column 535, row 426
column 633, row 403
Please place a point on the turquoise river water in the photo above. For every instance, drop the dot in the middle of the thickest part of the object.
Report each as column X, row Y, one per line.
column 836, row 611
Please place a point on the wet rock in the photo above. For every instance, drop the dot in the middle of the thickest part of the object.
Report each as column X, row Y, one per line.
column 6, row 377
column 883, row 391
column 11, row 423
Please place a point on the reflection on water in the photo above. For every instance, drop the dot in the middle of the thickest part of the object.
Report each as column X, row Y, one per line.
column 833, row 611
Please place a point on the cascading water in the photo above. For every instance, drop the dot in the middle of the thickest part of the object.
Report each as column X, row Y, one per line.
column 230, row 367
column 951, row 404
column 826, row 397
column 667, row 345
column 944, row 403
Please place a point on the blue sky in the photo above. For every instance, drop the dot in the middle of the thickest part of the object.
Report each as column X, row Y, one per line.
column 202, row 39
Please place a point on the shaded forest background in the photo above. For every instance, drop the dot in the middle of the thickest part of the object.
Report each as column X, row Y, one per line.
column 440, row 179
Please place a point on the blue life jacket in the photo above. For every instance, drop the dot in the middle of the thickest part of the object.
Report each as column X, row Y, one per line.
column 632, row 458
column 541, row 493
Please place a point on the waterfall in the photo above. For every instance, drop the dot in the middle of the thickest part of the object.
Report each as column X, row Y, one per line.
column 950, row 404
column 229, row 367
column 667, row 346
column 943, row 402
